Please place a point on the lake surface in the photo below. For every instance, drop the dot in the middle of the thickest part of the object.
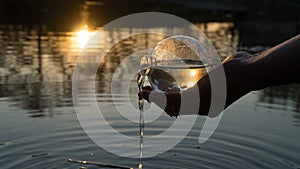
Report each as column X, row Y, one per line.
column 40, row 129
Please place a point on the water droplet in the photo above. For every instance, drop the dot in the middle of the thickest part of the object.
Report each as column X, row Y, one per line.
column 140, row 165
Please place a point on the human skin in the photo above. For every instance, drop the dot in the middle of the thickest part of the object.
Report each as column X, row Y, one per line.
column 244, row 73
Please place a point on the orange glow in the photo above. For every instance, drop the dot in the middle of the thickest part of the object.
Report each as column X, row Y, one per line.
column 83, row 36
column 216, row 26
column 191, row 84
column 193, row 73
column 86, row 38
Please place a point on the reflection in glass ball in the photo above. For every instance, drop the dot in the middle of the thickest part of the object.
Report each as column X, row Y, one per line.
column 177, row 63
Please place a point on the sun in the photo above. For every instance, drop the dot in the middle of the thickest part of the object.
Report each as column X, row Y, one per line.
column 83, row 36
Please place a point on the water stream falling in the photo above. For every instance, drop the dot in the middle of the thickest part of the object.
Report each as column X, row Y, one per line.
column 140, row 83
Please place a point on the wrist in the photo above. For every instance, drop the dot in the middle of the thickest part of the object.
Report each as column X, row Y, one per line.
column 256, row 72
column 240, row 78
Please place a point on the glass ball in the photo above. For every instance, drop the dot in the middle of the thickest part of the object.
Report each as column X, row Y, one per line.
column 176, row 63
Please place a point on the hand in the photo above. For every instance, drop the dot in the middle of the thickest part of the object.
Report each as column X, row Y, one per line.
column 169, row 101
column 236, row 71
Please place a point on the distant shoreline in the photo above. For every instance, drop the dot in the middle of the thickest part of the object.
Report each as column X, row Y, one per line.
column 68, row 14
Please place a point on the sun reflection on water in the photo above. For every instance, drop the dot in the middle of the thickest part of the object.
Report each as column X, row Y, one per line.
column 83, row 36
column 87, row 39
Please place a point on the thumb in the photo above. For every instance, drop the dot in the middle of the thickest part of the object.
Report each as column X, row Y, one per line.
column 159, row 98
column 145, row 93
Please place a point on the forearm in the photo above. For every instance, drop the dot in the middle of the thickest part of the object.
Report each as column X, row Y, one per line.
column 243, row 72
column 278, row 65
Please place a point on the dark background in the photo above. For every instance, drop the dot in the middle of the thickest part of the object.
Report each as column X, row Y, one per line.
column 260, row 22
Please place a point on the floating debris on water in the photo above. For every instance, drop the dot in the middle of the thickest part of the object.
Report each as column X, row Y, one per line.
column 99, row 164
column 39, row 155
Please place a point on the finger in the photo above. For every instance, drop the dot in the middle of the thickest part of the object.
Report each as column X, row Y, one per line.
column 241, row 54
column 145, row 94
column 237, row 55
column 159, row 98
column 148, row 88
column 227, row 59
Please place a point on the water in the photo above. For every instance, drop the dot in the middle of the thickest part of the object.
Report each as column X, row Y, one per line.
column 176, row 76
column 40, row 129
column 140, row 83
